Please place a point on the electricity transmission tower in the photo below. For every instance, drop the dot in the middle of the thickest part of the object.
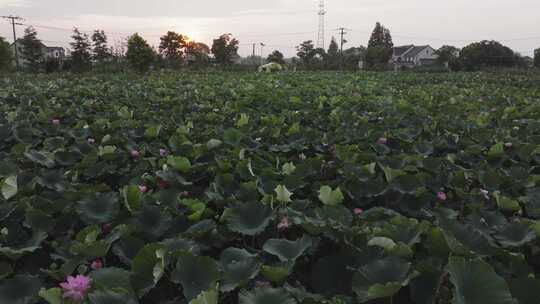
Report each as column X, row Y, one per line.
column 320, row 37
column 13, row 23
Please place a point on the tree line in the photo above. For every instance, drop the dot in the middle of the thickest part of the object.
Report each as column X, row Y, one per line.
column 176, row 50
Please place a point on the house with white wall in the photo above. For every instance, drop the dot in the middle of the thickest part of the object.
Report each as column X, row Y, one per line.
column 411, row 55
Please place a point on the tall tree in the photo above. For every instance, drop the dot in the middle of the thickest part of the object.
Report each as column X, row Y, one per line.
column 277, row 57
column 171, row 46
column 32, row 49
column 5, row 54
column 225, row 48
column 100, row 49
column 537, row 58
column 306, row 52
column 197, row 53
column 380, row 46
column 80, row 51
column 448, row 54
column 139, row 54
column 332, row 59
column 486, row 54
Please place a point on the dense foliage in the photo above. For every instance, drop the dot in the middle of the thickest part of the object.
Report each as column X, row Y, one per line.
column 139, row 55
column 486, row 54
column 270, row 188
column 5, row 54
column 537, row 58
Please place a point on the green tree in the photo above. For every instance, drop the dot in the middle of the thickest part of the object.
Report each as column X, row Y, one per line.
column 32, row 50
column 448, row 54
column 170, row 47
column 333, row 56
column 197, row 53
column 486, row 54
column 101, row 52
column 537, row 58
column 352, row 56
column 225, row 48
column 277, row 57
column 380, row 47
column 139, row 54
column 306, row 52
column 81, row 58
column 5, row 54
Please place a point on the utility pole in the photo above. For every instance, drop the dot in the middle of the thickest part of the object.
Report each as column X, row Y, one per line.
column 13, row 23
column 343, row 32
column 262, row 47
column 253, row 50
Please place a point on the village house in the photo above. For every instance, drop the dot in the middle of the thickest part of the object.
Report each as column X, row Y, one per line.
column 412, row 56
column 49, row 52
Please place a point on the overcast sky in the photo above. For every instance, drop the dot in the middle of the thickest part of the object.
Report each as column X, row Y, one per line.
column 282, row 24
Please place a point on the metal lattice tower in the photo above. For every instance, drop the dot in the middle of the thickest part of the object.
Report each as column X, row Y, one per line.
column 322, row 32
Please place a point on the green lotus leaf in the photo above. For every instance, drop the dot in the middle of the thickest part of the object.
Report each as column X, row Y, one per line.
column 180, row 163
column 475, row 282
column 110, row 297
column 283, row 194
column 20, row 289
column 383, row 242
column 333, row 274
column 464, row 239
column 526, row 290
column 152, row 221
column 266, row 296
column 132, row 197
column 277, row 273
column 381, row 278
column 99, row 208
column 532, row 202
column 25, row 247
column 406, row 183
column 405, row 230
column 52, row 295
column 43, row 158
column 249, row 218
column 196, row 274
column 490, row 179
column 210, row 296
column 239, row 266
column 233, row 137
column 9, row 187
column 142, row 269
column 507, row 204
column 330, row 197
column 496, row 150
column 514, row 235
column 287, row 250
column 67, row 158
column 152, row 131
column 7, row 169
column 39, row 220
column 112, row 278
column 213, row 144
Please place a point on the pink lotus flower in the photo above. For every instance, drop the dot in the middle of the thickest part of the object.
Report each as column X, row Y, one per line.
column 284, row 224
column 358, row 211
column 509, row 145
column 163, row 152
column 382, row 141
column 162, row 184
column 56, row 122
column 96, row 264
column 442, row 196
column 76, row 287
column 135, row 154
column 91, row 141
column 143, row 188
column 184, row 194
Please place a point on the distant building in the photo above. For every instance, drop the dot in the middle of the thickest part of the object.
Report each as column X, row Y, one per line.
column 49, row 52
column 411, row 55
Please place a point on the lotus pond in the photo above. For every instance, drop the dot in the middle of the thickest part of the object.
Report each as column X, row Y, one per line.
column 304, row 188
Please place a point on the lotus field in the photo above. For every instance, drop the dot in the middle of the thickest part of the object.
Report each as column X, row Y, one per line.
column 304, row 188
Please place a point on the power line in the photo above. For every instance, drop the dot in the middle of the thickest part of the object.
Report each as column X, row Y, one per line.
column 13, row 23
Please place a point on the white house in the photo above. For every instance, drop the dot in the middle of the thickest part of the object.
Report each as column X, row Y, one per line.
column 411, row 55
column 49, row 52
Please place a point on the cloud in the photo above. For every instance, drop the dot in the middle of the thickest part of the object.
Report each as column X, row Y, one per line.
column 14, row 3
